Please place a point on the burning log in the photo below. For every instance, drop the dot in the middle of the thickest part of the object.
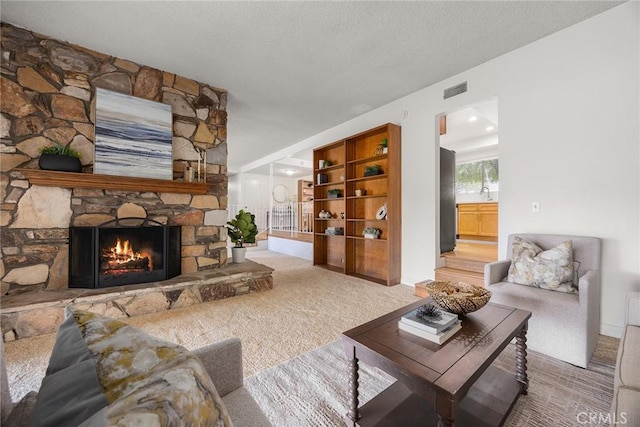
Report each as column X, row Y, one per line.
column 141, row 264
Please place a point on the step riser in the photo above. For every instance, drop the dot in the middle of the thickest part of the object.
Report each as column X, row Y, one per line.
column 459, row 277
column 465, row 264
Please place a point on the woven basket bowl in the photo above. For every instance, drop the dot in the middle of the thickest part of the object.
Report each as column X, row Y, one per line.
column 459, row 298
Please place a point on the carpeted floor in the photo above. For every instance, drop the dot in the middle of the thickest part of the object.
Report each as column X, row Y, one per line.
column 309, row 307
column 558, row 392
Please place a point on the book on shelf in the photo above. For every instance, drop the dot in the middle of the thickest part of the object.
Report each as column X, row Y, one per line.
column 440, row 338
column 433, row 325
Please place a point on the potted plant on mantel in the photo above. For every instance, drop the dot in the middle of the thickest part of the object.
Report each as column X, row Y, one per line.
column 242, row 229
column 60, row 158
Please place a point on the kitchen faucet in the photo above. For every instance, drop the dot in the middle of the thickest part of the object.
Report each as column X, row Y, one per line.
column 488, row 193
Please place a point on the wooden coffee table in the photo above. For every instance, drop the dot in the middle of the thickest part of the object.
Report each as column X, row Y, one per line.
column 438, row 384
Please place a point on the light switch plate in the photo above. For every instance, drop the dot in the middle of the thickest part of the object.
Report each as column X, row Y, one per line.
column 535, row 206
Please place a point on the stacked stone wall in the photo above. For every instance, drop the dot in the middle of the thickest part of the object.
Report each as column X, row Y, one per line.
column 48, row 90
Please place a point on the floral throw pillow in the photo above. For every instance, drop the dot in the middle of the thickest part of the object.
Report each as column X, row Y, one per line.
column 551, row 269
column 104, row 372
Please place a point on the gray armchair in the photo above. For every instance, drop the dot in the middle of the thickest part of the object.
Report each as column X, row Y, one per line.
column 563, row 325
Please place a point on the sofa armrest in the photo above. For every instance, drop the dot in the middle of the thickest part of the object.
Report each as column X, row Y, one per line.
column 494, row 272
column 633, row 309
column 223, row 362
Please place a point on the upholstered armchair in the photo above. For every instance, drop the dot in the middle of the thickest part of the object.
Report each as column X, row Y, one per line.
column 563, row 325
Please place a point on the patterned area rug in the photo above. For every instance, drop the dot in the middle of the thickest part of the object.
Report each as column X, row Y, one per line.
column 311, row 389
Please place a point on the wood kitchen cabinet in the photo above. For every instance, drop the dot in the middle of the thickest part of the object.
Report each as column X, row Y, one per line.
column 478, row 221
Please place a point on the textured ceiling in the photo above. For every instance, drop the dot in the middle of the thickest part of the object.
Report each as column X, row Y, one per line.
column 293, row 69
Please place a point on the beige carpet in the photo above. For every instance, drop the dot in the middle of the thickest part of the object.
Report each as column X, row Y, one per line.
column 307, row 308
column 559, row 395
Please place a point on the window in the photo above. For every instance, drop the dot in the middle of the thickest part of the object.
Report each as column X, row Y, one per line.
column 472, row 177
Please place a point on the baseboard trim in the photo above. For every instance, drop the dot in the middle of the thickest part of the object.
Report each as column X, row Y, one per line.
column 611, row 330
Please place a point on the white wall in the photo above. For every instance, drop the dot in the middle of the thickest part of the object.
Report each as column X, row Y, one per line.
column 569, row 139
column 246, row 189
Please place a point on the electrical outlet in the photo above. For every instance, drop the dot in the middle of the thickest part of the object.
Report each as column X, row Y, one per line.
column 535, row 207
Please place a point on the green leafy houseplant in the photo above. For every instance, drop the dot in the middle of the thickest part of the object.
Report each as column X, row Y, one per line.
column 384, row 143
column 242, row 229
column 60, row 150
column 372, row 170
column 371, row 233
column 334, row 193
column 59, row 157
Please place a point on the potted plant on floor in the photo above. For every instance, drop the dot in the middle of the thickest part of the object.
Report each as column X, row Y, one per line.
column 59, row 157
column 242, row 229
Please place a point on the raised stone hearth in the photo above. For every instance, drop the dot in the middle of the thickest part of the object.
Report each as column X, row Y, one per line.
column 38, row 313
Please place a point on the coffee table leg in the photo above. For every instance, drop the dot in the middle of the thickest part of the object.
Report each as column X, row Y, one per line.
column 445, row 409
column 353, row 414
column 521, row 359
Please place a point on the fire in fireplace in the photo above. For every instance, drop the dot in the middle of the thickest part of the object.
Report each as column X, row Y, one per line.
column 122, row 252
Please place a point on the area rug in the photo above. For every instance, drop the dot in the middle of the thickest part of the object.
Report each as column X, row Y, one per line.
column 311, row 390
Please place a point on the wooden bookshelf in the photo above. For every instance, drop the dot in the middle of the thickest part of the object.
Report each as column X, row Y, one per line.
column 379, row 259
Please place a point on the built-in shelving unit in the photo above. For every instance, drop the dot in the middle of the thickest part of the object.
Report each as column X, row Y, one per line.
column 350, row 253
column 111, row 182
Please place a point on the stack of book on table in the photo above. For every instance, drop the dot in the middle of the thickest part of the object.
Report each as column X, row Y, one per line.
column 437, row 328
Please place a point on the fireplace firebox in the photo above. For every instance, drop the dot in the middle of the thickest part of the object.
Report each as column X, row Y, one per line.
column 122, row 252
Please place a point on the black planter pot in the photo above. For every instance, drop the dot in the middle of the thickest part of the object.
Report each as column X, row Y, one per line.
column 57, row 162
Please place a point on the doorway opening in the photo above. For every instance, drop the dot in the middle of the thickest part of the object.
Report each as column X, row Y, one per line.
column 469, row 191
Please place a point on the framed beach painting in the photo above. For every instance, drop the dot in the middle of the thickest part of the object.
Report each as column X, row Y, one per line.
column 133, row 136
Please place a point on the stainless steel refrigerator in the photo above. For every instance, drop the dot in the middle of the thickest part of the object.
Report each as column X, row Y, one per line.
column 447, row 200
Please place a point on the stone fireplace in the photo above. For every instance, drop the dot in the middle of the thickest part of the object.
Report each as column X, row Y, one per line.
column 48, row 92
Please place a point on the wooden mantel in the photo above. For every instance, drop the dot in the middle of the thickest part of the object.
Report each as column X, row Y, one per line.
column 109, row 182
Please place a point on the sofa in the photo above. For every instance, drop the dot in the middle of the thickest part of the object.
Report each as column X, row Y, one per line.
column 625, row 408
column 563, row 325
column 101, row 387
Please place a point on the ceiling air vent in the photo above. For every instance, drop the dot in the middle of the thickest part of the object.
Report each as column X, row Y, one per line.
column 455, row 90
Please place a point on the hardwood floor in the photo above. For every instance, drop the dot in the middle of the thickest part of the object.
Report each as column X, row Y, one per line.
column 475, row 251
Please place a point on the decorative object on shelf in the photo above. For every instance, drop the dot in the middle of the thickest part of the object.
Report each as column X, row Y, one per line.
column 459, row 298
column 59, row 157
column 371, row 170
column 341, row 177
column 325, row 214
column 133, row 136
column 334, row 231
column 323, row 164
column 334, row 193
column 242, row 229
column 382, row 148
column 382, row 212
column 360, row 192
column 189, row 174
column 323, row 178
column 341, row 215
column 202, row 171
column 371, row 233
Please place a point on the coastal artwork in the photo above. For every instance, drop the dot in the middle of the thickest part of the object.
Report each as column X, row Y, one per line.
column 133, row 136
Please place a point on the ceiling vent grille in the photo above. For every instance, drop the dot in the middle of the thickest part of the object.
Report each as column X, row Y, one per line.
column 455, row 90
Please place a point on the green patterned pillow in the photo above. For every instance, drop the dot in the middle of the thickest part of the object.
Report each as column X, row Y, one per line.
column 551, row 269
column 140, row 380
